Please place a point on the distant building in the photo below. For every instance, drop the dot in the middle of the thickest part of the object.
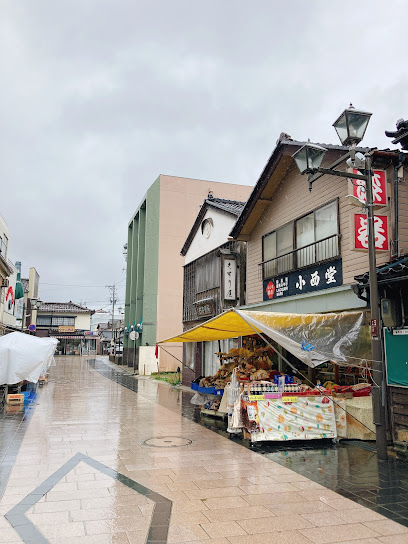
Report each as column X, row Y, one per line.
column 154, row 278
column 70, row 323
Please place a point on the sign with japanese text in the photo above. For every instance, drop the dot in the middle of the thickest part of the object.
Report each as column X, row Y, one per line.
column 379, row 188
column 205, row 308
column 66, row 328
column 380, row 229
column 316, row 278
column 230, row 278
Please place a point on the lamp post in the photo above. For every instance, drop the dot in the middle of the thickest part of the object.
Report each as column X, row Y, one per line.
column 350, row 127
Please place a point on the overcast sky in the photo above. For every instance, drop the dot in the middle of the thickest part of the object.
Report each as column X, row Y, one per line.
column 99, row 97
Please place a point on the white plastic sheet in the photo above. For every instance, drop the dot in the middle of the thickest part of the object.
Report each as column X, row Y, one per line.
column 24, row 357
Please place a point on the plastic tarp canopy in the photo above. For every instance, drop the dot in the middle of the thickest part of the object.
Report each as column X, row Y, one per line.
column 25, row 357
column 312, row 338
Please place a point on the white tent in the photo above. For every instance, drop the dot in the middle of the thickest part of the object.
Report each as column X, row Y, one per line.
column 24, row 357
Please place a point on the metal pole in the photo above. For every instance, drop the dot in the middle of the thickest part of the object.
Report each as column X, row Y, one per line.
column 378, row 393
column 113, row 319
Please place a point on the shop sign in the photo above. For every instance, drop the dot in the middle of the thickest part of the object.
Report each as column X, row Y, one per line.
column 66, row 328
column 380, row 230
column 379, row 188
column 316, row 278
column 230, row 277
column 205, row 308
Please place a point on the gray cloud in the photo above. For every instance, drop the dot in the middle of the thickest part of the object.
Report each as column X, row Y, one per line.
column 99, row 97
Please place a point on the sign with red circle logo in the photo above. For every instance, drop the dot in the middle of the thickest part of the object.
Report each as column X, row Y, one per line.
column 270, row 289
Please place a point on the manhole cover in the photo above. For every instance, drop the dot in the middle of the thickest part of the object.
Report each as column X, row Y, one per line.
column 168, row 442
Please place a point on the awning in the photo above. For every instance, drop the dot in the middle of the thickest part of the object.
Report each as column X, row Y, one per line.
column 312, row 338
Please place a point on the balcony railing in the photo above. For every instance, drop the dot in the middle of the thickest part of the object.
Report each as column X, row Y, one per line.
column 318, row 252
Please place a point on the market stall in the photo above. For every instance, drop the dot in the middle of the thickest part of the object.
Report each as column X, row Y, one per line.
column 267, row 401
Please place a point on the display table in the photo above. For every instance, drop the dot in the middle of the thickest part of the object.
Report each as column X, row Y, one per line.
column 347, row 426
column 289, row 417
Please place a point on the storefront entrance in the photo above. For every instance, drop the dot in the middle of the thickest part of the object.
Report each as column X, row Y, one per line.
column 69, row 345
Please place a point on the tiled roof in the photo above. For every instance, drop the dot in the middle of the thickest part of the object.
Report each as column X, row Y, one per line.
column 61, row 307
column 390, row 270
column 234, row 207
column 231, row 206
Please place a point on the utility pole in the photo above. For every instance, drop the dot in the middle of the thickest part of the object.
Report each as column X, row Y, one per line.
column 113, row 300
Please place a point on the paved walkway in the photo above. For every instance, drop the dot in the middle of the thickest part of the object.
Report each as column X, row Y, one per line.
column 100, row 463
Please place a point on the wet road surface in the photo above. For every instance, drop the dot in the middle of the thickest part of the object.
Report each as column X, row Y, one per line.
column 104, row 457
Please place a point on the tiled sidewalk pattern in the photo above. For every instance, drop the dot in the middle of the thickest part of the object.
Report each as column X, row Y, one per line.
column 222, row 493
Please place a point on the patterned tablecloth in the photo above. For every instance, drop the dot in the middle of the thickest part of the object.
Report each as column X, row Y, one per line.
column 305, row 419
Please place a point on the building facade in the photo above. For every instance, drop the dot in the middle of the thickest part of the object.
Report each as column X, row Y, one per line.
column 154, row 277
column 214, row 280
column 70, row 323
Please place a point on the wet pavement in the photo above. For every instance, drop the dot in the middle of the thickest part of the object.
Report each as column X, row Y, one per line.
column 107, row 458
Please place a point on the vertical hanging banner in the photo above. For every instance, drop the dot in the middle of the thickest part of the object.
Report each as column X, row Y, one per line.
column 230, row 279
column 379, row 188
column 380, row 229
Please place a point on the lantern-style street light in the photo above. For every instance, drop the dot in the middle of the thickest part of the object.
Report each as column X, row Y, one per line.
column 351, row 127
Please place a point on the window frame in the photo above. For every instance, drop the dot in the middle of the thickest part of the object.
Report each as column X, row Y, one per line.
column 294, row 236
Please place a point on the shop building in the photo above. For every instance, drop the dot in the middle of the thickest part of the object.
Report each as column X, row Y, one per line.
column 6, row 271
column 304, row 248
column 154, row 277
column 70, row 323
column 214, row 280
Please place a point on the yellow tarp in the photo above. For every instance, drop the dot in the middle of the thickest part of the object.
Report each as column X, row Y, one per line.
column 227, row 325
column 312, row 338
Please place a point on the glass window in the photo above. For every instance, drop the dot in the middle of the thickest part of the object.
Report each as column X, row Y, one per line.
column 44, row 320
column 59, row 320
column 278, row 244
column 313, row 229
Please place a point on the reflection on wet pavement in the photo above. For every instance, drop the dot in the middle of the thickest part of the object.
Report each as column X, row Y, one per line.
column 348, row 468
column 105, row 454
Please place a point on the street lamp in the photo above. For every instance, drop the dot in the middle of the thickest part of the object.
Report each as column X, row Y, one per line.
column 350, row 127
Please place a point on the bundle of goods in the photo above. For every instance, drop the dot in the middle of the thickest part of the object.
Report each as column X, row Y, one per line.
column 212, row 404
column 358, row 390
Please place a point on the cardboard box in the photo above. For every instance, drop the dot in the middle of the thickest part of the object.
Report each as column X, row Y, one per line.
column 15, row 399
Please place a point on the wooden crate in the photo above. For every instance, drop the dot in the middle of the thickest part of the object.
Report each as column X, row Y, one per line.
column 15, row 399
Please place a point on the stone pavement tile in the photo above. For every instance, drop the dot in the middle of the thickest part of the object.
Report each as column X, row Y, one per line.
column 307, row 484
column 57, row 506
column 213, row 541
column 387, row 527
column 294, row 537
column 118, row 525
column 72, row 477
column 226, row 502
column 189, row 506
column 228, row 467
column 343, row 533
column 342, row 503
column 53, row 532
column 359, row 516
column 249, row 512
column 119, row 538
column 232, row 491
column 275, row 524
column 181, row 486
column 269, row 488
column 323, row 519
column 186, row 533
column 9, row 535
column 221, row 482
column 289, row 478
column 319, row 494
column 103, row 513
column 207, row 476
column 223, row 529
column 188, row 518
column 271, row 498
column 304, row 507
column 394, row 539
column 50, row 518
column 371, row 540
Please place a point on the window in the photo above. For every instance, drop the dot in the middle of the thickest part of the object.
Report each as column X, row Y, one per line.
column 316, row 239
column 44, row 321
column 278, row 244
column 58, row 321
column 3, row 246
column 316, row 235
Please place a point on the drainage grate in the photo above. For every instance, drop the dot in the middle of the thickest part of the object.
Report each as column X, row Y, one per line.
column 167, row 442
